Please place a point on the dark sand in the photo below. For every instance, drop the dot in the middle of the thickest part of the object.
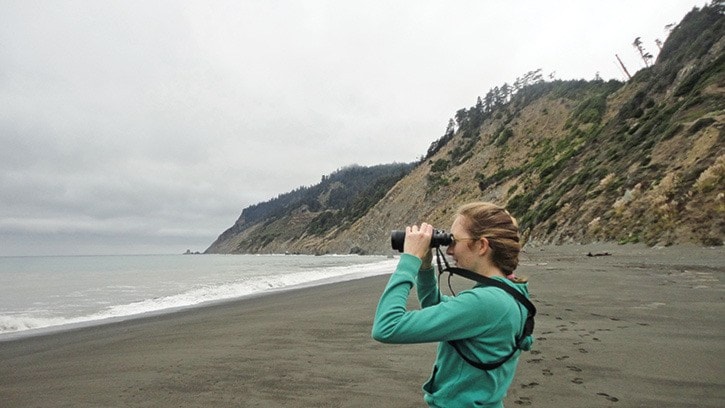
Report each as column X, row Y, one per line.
column 642, row 327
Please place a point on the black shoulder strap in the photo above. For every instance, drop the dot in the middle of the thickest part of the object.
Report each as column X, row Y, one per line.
column 497, row 283
column 485, row 281
column 528, row 325
column 479, row 365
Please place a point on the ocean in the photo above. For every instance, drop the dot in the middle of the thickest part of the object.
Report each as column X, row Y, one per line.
column 48, row 293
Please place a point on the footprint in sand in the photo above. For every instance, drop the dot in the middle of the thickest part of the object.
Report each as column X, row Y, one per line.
column 529, row 385
column 574, row 368
column 534, row 360
column 608, row 397
column 583, row 351
column 578, row 381
column 547, row 372
column 562, row 358
column 523, row 401
column 535, row 352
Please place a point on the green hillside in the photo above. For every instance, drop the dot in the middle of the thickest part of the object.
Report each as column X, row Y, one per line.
column 574, row 161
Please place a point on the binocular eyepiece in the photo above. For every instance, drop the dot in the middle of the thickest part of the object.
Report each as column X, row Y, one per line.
column 440, row 237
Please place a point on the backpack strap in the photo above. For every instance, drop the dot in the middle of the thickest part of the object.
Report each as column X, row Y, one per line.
column 479, row 365
column 497, row 283
column 484, row 281
column 528, row 325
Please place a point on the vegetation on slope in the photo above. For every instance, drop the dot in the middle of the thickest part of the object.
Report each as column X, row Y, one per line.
column 340, row 199
column 574, row 161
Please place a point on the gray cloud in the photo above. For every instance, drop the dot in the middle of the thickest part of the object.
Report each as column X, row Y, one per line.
column 136, row 127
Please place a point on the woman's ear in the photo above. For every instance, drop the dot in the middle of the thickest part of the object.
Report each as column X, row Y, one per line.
column 484, row 246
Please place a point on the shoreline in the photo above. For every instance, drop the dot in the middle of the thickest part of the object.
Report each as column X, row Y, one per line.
column 639, row 327
column 74, row 323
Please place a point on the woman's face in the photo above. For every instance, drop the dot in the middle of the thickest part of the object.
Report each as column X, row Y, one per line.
column 463, row 251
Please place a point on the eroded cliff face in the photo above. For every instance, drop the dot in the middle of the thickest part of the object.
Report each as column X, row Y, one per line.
column 671, row 192
column 574, row 161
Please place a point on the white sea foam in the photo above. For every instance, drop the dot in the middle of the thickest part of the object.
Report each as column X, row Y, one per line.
column 41, row 317
column 9, row 324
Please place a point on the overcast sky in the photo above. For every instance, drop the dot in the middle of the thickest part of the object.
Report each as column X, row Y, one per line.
column 134, row 127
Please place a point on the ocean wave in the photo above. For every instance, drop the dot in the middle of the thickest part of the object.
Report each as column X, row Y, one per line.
column 10, row 324
column 197, row 296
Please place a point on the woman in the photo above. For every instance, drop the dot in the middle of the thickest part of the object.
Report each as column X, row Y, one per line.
column 483, row 323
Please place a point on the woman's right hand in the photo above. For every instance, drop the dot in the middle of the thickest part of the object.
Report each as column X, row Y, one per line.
column 417, row 242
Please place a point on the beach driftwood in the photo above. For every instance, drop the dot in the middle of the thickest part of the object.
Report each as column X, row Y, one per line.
column 599, row 254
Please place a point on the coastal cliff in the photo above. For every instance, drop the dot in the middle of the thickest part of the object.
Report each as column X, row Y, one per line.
column 574, row 161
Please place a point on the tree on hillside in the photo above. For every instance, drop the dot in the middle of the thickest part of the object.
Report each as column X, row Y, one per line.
column 438, row 144
column 461, row 117
column 506, row 92
column 532, row 77
column 718, row 6
column 488, row 101
column 646, row 57
column 451, row 128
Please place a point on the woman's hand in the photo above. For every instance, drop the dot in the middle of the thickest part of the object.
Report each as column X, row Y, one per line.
column 417, row 243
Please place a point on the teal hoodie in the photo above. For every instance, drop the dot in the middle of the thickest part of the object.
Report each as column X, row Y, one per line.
column 486, row 321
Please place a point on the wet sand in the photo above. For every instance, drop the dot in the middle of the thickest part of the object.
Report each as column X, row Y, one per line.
column 633, row 327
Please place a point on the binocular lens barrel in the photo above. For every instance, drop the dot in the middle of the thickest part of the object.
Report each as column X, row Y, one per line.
column 440, row 237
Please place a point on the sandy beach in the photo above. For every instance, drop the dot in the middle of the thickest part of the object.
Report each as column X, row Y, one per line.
column 630, row 326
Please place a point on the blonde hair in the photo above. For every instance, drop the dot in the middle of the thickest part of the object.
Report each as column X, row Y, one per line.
column 490, row 221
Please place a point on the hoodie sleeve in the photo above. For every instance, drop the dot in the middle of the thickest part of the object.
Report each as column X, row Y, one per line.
column 469, row 314
column 427, row 288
